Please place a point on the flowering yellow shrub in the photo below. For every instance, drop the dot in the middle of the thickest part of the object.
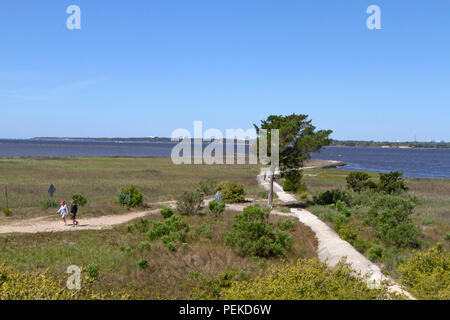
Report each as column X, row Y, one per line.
column 308, row 279
column 26, row 286
column 427, row 274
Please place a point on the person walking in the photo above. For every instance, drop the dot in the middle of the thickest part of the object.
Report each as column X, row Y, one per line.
column 63, row 211
column 73, row 213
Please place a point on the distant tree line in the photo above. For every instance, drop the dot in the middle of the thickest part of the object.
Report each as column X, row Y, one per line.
column 410, row 144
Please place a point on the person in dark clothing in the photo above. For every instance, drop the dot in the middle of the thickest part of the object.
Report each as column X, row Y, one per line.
column 73, row 213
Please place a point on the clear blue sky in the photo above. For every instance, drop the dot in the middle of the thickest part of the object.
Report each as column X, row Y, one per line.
column 146, row 67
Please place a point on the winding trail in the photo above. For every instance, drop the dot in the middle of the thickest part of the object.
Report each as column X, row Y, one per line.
column 331, row 248
column 54, row 223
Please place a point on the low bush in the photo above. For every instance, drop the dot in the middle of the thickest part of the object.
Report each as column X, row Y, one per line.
column 331, row 197
column 142, row 225
column 142, row 264
column 7, row 211
column 359, row 181
column 392, row 182
column 79, row 199
column 207, row 186
column 232, row 192
column 390, row 216
column 144, row 245
column 427, row 274
column 92, row 271
column 130, row 197
column 166, row 212
column 172, row 231
column 216, row 208
column 347, row 231
column 189, row 203
column 253, row 236
column 375, row 252
column 31, row 286
column 305, row 280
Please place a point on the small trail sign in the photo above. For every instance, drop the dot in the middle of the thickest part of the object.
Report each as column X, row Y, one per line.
column 51, row 192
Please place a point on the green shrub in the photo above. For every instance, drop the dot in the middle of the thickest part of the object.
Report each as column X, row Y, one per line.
column 172, row 231
column 286, row 224
column 185, row 246
column 142, row 264
column 7, row 211
column 392, row 182
column 142, row 225
column 447, row 236
column 130, row 197
column 346, row 231
column 390, row 216
column 216, row 208
column 253, row 236
column 331, row 197
column 166, row 212
column 144, row 245
column 79, row 199
column 232, row 192
column 207, row 186
column 190, row 203
column 359, row 181
column 341, row 206
column 375, row 252
column 5, row 239
column 93, row 271
column 46, row 204
column 129, row 227
column 427, row 274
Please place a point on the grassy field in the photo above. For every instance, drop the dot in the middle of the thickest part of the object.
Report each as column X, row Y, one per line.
column 98, row 179
column 170, row 275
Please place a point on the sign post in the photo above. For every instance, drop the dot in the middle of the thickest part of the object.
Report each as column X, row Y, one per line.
column 51, row 191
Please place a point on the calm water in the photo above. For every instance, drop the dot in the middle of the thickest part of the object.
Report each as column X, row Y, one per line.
column 432, row 163
column 420, row 163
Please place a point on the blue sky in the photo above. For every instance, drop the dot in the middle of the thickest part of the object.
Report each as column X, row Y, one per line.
column 146, row 67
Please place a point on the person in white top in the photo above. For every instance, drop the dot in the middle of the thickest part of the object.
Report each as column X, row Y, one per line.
column 63, row 211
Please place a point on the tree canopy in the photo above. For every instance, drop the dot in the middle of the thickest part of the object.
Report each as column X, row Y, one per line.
column 298, row 138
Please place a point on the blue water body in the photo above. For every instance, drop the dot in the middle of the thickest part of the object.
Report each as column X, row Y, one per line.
column 418, row 163
column 422, row 163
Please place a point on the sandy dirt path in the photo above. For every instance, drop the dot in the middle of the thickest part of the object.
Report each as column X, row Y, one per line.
column 55, row 224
